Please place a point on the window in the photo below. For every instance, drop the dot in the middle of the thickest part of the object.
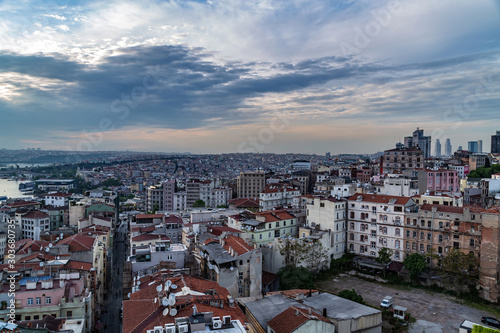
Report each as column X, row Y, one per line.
column 374, row 233
column 471, row 242
column 414, row 234
column 422, row 248
column 408, row 233
column 421, row 235
column 428, row 236
column 397, row 244
column 398, row 232
column 408, row 246
column 385, row 230
column 351, row 236
column 373, row 245
column 352, row 215
column 352, row 226
column 69, row 314
column 440, row 225
column 27, row 318
column 48, row 300
column 440, row 250
column 30, row 301
column 38, row 301
column 429, row 224
column 396, row 255
column 440, row 238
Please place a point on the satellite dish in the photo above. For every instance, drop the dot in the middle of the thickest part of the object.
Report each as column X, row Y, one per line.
column 159, row 288
column 173, row 286
column 173, row 312
column 58, row 258
column 41, row 264
column 47, row 249
column 171, row 301
column 156, row 299
column 138, row 282
column 57, row 238
column 165, row 312
column 232, row 268
column 61, row 235
column 128, row 295
column 168, row 284
column 164, row 301
column 50, row 245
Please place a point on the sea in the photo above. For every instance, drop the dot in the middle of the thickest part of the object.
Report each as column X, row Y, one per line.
column 10, row 189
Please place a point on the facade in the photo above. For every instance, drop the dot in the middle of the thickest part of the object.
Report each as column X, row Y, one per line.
column 57, row 199
column 462, row 170
column 250, row 184
column 234, row 264
column 33, row 224
column 49, row 185
column 441, row 228
column 329, row 214
column 265, row 226
column 180, row 201
column 398, row 186
column 402, row 158
column 276, row 196
column 477, row 161
column 197, row 190
column 438, row 180
column 475, row 146
column 220, row 196
column 377, row 221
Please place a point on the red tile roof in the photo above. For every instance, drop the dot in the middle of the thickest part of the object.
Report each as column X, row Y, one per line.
column 452, row 209
column 275, row 215
column 140, row 313
column 268, row 277
column 244, row 203
column 217, row 231
column 22, row 204
column 294, row 317
column 79, row 265
column 79, row 242
column 35, row 214
column 237, row 244
column 377, row 198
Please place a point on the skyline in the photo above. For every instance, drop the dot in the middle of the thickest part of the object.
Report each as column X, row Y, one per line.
column 220, row 76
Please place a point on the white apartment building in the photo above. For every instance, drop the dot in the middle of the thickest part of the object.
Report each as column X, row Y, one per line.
column 57, row 199
column 376, row 221
column 462, row 170
column 330, row 215
column 275, row 196
column 220, row 196
column 399, row 187
column 180, row 201
column 343, row 191
column 33, row 224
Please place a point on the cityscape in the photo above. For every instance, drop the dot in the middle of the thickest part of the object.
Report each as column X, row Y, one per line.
column 267, row 166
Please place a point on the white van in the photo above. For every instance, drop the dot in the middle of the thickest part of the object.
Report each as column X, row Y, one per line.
column 387, row 302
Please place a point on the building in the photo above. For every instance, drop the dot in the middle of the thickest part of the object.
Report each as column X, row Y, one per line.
column 250, row 184
column 234, row 265
column 33, row 224
column 264, row 227
column 198, row 305
column 329, row 214
column 299, row 319
column 477, row 161
column 220, row 196
column 50, row 185
column 57, row 199
column 437, row 148
column 377, row 221
column 274, row 196
column 438, row 180
column 197, row 190
column 495, row 143
column 473, row 146
column 402, row 158
column 398, row 186
column 420, row 141
column 448, row 148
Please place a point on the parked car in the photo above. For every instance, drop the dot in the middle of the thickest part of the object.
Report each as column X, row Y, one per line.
column 490, row 322
column 387, row 302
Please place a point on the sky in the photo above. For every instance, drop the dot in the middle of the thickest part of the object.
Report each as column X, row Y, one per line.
column 221, row 76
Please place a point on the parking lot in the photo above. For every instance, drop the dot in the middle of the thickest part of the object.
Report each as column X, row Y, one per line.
column 423, row 305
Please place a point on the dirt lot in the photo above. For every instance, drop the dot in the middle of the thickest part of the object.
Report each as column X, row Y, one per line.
column 436, row 308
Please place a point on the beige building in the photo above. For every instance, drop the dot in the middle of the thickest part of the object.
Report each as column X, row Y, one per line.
column 402, row 158
column 250, row 184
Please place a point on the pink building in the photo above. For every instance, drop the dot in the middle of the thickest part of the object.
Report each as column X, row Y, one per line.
column 438, row 180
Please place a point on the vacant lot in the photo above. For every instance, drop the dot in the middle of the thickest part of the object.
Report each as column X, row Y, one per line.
column 437, row 308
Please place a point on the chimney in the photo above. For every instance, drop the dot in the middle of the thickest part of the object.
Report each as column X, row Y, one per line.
column 325, row 313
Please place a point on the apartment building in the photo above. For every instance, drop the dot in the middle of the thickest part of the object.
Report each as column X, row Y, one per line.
column 438, row 180
column 250, row 184
column 329, row 214
column 276, row 196
column 33, row 224
column 402, row 158
column 220, row 196
column 377, row 221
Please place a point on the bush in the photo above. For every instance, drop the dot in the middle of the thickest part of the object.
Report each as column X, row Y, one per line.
column 351, row 295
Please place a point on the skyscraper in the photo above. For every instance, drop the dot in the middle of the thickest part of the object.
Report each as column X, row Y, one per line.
column 472, row 147
column 495, row 143
column 479, row 146
column 419, row 140
column 447, row 148
column 437, row 148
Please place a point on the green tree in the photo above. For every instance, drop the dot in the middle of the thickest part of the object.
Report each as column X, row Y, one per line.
column 295, row 278
column 199, row 203
column 315, row 257
column 351, row 295
column 384, row 257
column 112, row 182
column 482, row 329
column 415, row 263
column 460, row 270
column 292, row 250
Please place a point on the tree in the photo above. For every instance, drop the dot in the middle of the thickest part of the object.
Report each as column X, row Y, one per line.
column 292, row 250
column 384, row 257
column 112, row 182
column 199, row 203
column 415, row 263
column 315, row 257
column 351, row 295
column 295, row 278
column 460, row 270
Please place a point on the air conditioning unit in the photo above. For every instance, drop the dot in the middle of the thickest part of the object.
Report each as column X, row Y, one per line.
column 158, row 329
column 169, row 328
column 217, row 324
column 150, row 331
column 183, row 328
column 227, row 320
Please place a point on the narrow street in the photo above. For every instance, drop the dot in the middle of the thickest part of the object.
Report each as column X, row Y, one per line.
column 111, row 319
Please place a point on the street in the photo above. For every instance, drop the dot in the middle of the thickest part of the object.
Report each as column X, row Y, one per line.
column 110, row 319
